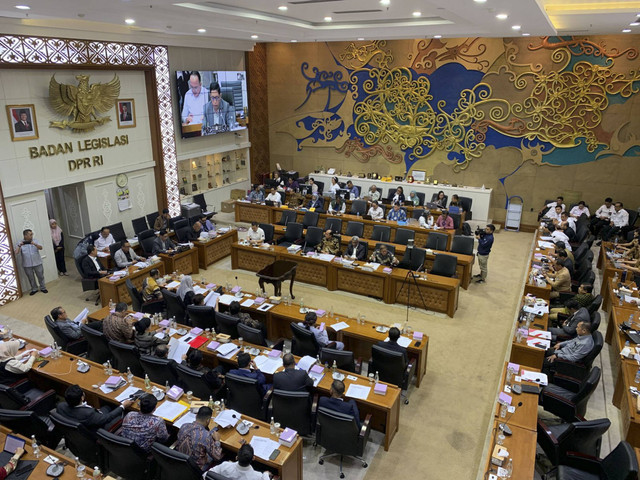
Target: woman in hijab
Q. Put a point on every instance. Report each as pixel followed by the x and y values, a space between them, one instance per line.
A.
pixel 146 341
pixel 414 199
pixel 58 246
pixel 12 368
pixel 185 290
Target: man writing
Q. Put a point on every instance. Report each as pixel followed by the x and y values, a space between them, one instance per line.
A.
pixel 559 278
pixel 485 242
pixel 355 250
pixel 241 469
pixel 126 256
pixel 162 243
pixel 104 240
pixel 255 235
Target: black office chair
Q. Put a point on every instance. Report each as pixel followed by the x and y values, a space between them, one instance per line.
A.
pixel 151 218
pixel 339 434
pixel 160 370
pixel 88 284
pixel 335 224
pixel 303 342
pixel 580 252
pixel 392 368
pixel 268 230
pixel 288 216
pixel 588 278
pixel 312 239
pixel 437 241
pixel 620 464
pixel 78 438
pixel 146 239
pixel 444 265
pixel 391 248
pixel 417 213
pixel 182 229
pixel 173 464
pixel 344 359
pixel 28 423
pixel 117 232
pixel 194 381
pixel 245 396
pixel 227 324
pixel 294 410
pixel 466 203
pixel 173 222
pixel 462 245
pixel 125 355
pixel 215 476
pixel 403 235
pixel 310 219
pixel 202 316
pixel 421 197
pixel 595 321
pixel 568 398
pixel 139 305
pixel 122 456
pixel 354 228
pixel 595 304
pixel 582 437
pixel 22 395
pixel 292 235
pixel 579 370
pixel 113 248
pixel 413 259
pixel 381 233
pixel 175 307
pixel 358 207
pixel 251 335
pixel 75 347
pixel 97 347
pixel 139 225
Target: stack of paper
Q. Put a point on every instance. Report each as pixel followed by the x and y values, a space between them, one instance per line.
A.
pixel 211 299
pixel 177 349
pixel 141 265
pixel 263 447
pixel 173 284
pixel 171 410
pixel 358 391
pixel 402 341
pixel 268 364
pixel 198 289
pixel 339 326
pixel 305 363
pixel 226 299
pixel 227 418
pixel 535 377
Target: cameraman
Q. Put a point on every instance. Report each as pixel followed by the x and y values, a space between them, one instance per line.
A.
pixel 485 242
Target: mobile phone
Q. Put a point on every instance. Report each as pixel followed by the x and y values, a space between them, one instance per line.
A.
pixel 418 343
pixel 43 363
pixel 274 454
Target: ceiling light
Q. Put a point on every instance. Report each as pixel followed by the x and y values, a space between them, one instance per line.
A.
pixel 254 36
pixel 416 14
pixel 437 36
pixel 526 34
pixel 327 19
pixel 283 8
pixel 385 3
pixel 480 1
pixel 626 30
pixel 202 30
pixel 23 7
pixel 360 39
pixel 294 41
pixel 502 16
pixel 129 21
pixel 516 27
pixel 634 24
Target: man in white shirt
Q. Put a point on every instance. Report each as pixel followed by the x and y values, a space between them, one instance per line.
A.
pixel 242 469
pixel 376 211
pixel 565 218
pixel 104 240
pixel 579 210
pixel 194 100
pixel 559 236
pixel 274 197
pixel 374 194
pixel 255 235
pixel 551 207
pixel 619 219
pixel 554 214
pixel 314 186
pixel 602 216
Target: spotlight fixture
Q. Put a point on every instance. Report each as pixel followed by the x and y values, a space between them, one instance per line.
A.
pixel 129 21
pixel 202 30
pixel 385 3
pixel 23 7
pixel 283 8
pixel 626 30
pixel 417 14
pixel 516 27
pixel 502 16
pixel 254 36
pixel 327 19
pixel 437 36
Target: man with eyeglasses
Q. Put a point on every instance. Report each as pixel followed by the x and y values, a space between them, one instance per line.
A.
pixel 194 100
pixel 219 116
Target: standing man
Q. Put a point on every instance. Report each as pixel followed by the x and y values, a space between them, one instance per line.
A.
pixel 485 242
pixel 29 250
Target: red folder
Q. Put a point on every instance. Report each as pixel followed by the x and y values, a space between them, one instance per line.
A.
pixel 198 342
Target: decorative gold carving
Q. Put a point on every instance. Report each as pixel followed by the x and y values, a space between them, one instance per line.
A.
pixel 82 102
pixel 356 149
pixel 356 56
pixel 428 58
pixel 585 47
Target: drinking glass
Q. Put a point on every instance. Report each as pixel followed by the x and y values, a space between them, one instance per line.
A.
pixel 189 396
pixel 240 341
pixel 371 375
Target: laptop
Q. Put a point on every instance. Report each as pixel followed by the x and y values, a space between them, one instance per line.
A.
pixel 433 206
pixel 269 203
pixel 634 337
pixel 367 217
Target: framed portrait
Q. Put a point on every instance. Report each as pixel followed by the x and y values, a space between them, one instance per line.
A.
pixel 126 112
pixel 22 122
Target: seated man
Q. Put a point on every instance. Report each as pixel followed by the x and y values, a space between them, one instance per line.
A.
pixel 104 240
pixel 320 333
pixel 572 350
pixel 557 234
pixel 256 195
pixel 150 287
pixel 68 327
pixel 118 325
pixel 290 379
pixel 274 197
pixel 316 202
pixel 392 344
pixel 194 232
pixel 445 221
pixel 384 257
pixel 355 250
pixel 373 195
pixel 337 403
pixel 551 212
pixel 241 469
pixel 90 264
pixel 247 368
pixel 245 318
pixel 375 211
pixel 619 219
pixel 352 190
pixel 553 216
pixel 195 440
pixel 566 218
pixel 559 279
pixel 144 427
pixel 329 244
pixel 162 220
pixel 579 210
pixel 584 297
pixel 564 259
pixel 207 225
pixel 602 216
pixel 75 408
pixel 255 235
pixel 396 214
pixel 577 314
pixel 292 185
pixel 314 185
pixel 126 256
pixel 631 250
pixel 162 243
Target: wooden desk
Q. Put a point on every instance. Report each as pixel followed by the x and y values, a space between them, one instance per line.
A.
pixel 612 298
pixel 310 269
pixel 626 402
pixel 184 262
pixel 215 249
pixel 253 259
pixel 522 450
pixel 609 270
pixel 117 290
pixel 525 355
pixel 439 293
pixel 356 280
pixel 526 415
pixel 253 212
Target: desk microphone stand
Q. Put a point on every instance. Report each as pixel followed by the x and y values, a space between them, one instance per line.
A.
pixel 407 283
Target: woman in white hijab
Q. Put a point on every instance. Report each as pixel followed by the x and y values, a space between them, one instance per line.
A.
pixel 185 290
pixel 12 368
pixel 58 246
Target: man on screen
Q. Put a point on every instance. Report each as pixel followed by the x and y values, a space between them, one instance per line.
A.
pixel 218 114
pixel 194 100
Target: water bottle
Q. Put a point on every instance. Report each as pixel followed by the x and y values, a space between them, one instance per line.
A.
pixel 97 475
pixel 166 387
pixel 331 312
pixel 334 368
pixel 79 469
pixel 273 426
pixel 211 402
pixel 376 379
pixel 113 305
pixel 109 368
pixel 35 447
pixel 301 303
pixel 129 376
pixel 509 468
pixel 147 382
pixel 637 379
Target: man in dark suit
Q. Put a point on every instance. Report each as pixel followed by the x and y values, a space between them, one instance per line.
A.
pixel 290 379
pixel 90 264
pixel 162 243
pixel 392 344
pixel 247 368
pixel 355 250
pixel 23 125
pixel 336 402
pixel 577 314
pixel 75 408
pixel 125 116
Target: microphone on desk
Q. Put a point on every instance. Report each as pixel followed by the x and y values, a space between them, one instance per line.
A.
pixel 504 426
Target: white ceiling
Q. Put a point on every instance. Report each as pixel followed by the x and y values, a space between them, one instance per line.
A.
pixel 238 20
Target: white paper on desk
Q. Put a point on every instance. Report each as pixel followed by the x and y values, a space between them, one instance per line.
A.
pixel 247 303
pixel 198 289
pixel 546 334
pixel 535 377
pixel 358 391
pixel 546 238
pixel 339 326
pixel 225 348
pixel 316 377
pixel 50 459
pixel 538 310
pixel 173 284
pixel 263 447
pixel 184 419
pixel 226 299
pixel 305 363
pixel 539 343
pixel 211 299
pixel 141 264
pixel 170 410
pixel 103 254
pixel 327 257
pixel 402 341
pixel 268 364
pixel 231 354
pixel 81 315
pixel 546 244
pixel 371 265
pixel 177 349
pixel 227 418
pixel 159 335
pixel 127 393
pixel 627 298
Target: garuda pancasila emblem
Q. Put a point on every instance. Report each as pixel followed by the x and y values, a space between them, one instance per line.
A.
pixel 83 102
